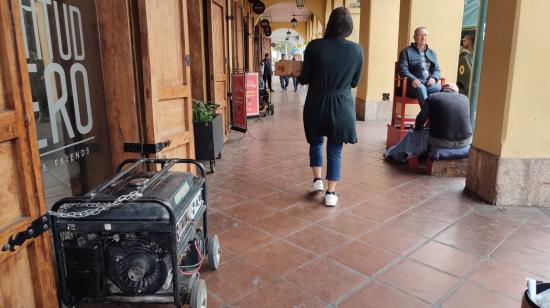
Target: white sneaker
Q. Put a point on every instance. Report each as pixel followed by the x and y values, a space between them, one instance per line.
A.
pixel 318 185
pixel 331 200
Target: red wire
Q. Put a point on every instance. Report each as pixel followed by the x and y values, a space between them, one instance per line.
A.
pixel 199 266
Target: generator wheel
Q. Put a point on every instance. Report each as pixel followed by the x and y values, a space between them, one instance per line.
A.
pixel 214 252
pixel 199 294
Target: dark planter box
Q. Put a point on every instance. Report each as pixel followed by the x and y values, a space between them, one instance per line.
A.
pixel 208 138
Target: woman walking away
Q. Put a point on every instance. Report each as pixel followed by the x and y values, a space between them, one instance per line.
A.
pixel 332 66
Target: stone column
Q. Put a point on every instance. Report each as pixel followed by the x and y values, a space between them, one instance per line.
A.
pixel 510 158
pixel 378 34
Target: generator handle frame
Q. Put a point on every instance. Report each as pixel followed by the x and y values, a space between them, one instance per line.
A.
pixel 162 162
pixel 166 164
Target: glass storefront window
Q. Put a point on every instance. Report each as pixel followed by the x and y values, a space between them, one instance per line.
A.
pixel 64 62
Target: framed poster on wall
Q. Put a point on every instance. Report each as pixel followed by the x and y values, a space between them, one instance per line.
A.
pixel 252 95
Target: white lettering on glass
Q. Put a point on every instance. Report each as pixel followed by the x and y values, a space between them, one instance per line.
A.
pixel 70 48
pixel 24 10
pixel 47 26
pixel 72 11
pixel 77 67
pixel 64 55
pixel 56 105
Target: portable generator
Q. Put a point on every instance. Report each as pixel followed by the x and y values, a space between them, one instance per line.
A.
pixel 136 238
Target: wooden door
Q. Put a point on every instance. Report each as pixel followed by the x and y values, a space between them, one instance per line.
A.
pixel 250 42
pixel 166 76
pixel 27 278
pixel 217 58
pixel 238 37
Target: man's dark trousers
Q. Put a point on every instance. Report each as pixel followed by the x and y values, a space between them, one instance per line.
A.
pixel 267 81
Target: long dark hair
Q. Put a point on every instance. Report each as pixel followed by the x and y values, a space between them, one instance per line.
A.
pixel 340 24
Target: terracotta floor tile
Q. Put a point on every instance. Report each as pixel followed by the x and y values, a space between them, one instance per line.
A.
pixel 471 295
pixel 279 181
pixel 377 295
pixel 392 239
pixel 219 222
pixel 388 182
pixel 446 258
pixel 375 211
pixel 396 199
pixel 349 224
pixel 270 165
pixel 249 211
pixel 224 200
pixel 213 301
pixel 280 200
pixel 236 279
pixel 280 294
pixel 524 258
pixel 347 200
pixel 243 239
pixel 419 280
pixel 362 257
pixel 443 210
pixel 362 191
pixel 311 211
pixel 503 279
pixel 302 174
pixel 254 191
pixel 532 236
pixel 465 238
pixel 279 257
pixel 318 239
pixel 490 225
pixel 280 224
pixel 325 279
pixel 418 224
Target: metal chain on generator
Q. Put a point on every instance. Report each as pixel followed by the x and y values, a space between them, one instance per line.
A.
pixel 42 223
pixel 95 208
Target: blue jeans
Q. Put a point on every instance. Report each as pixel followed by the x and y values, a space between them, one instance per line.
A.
pixel 284 82
pixel 295 82
pixel 422 92
pixel 334 157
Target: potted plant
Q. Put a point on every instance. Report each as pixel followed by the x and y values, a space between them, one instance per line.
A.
pixel 208 132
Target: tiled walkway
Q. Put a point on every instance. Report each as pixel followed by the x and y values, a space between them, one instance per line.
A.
pixel 397 239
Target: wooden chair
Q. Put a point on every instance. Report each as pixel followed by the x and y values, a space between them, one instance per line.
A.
pixel 401 120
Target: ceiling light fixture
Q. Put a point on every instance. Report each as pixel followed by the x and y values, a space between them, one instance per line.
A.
pixel 300 3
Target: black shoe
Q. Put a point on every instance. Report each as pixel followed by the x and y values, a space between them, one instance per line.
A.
pixel 271 90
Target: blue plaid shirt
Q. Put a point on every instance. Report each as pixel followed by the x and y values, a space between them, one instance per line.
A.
pixel 412 64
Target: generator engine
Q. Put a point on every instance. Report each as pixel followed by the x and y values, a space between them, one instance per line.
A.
pixel 146 249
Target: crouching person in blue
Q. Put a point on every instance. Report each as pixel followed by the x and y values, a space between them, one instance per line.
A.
pixel 442 128
pixel 419 64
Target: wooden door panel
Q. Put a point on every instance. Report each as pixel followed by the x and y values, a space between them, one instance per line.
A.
pixel 27 278
pixel 216 13
pixel 166 79
pixel 13 284
pixel 10 200
pixel 238 37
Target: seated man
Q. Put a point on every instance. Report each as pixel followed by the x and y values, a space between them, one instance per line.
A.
pixel 419 64
pixel 449 134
